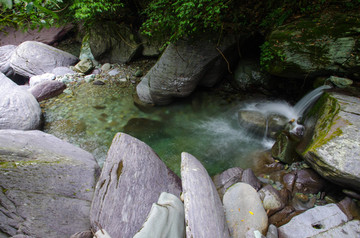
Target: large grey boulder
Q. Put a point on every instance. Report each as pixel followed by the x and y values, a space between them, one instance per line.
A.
pixel 244 210
pixel 110 43
pixel 204 213
pixel 46 185
pixel 132 179
pixel 180 69
pixel 34 58
pixel 18 108
pixel 5 54
pixel 331 143
pixel 313 222
pixel 303 49
pixel 166 219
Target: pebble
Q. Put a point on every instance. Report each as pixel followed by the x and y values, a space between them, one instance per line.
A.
pixel 98 82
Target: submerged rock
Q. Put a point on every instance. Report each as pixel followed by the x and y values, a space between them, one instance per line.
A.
pixel 132 179
pixel 34 58
pixel 204 214
pixel 18 108
pixel 331 144
pixel 46 185
pixel 244 210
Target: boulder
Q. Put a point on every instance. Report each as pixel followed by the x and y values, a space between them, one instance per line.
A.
pixel 61 71
pixel 151 46
pixel 180 69
pixel 249 177
pixel 313 222
pixel 244 210
pixel 46 185
pixel 227 178
pixel 46 35
pixel 330 144
pixel 34 58
pixel 248 75
pixel 308 182
pixel 47 89
pixel 166 219
pixel 84 66
pixel 18 108
pixel 204 213
pixel 111 43
pixel 303 49
pixel 34 80
pixel 132 179
pixel 5 55
pixel 271 199
pixel 348 230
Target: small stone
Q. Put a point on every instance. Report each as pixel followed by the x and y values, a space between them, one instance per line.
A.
pixel 89 78
pixel 106 67
pixel 123 80
pixel 138 73
pixel 98 82
pixel 272 232
pixel 67 91
pixel 84 66
pixel 114 72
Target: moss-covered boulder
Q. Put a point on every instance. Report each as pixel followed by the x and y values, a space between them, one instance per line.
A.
pixel 331 143
pixel 308 47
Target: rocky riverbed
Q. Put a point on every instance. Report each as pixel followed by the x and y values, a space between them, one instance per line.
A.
pixel 50 187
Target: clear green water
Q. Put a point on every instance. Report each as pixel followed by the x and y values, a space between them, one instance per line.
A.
pixel 204 125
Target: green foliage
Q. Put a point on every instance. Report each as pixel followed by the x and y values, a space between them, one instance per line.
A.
pixel 183 18
pixel 90 11
pixel 269 54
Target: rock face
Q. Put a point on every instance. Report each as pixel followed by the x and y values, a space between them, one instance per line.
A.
pixel 46 185
pixel 166 219
pixel 111 43
pixel 202 204
pixel 5 55
pixel 313 222
pixel 179 70
pixel 18 108
pixel 34 58
pixel 331 144
pixel 132 179
pixel 304 49
pixel 244 210
pixel 348 230
pixel 249 76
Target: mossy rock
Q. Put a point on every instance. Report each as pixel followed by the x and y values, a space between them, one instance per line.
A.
pixel 316 46
pixel 331 142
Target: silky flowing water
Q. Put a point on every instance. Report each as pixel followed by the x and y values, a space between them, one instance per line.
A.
pixel 204 125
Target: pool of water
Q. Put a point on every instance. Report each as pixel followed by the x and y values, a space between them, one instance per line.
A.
pixel 205 125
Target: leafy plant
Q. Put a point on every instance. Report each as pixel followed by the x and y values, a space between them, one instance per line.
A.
pixel 269 54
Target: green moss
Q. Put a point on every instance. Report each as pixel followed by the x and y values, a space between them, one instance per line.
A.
pixel 15 164
pixel 328 123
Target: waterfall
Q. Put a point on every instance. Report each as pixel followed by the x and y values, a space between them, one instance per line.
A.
pixel 301 106
pixel 268 117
